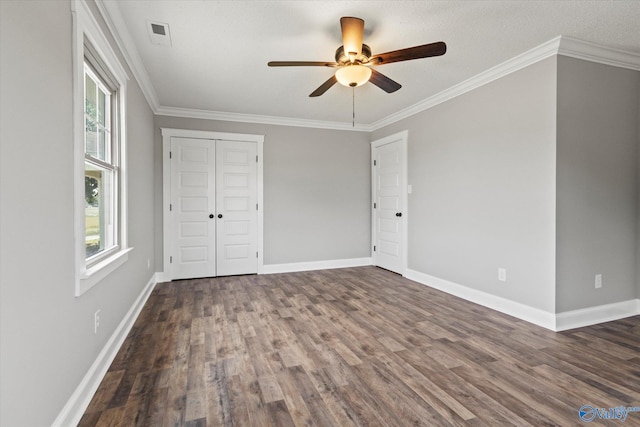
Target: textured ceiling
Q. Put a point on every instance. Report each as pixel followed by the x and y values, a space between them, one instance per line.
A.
pixel 220 49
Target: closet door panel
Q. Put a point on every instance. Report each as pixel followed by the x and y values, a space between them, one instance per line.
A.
pixel 236 202
pixel 192 204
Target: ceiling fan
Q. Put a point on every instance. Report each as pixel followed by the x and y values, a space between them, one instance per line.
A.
pixel 354 60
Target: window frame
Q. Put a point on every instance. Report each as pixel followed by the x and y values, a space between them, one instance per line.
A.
pixel 110 162
pixel 89 41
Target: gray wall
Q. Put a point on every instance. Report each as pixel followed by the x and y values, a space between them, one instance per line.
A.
pixel 482 167
pixel 316 190
pixel 47 342
pixel 597 183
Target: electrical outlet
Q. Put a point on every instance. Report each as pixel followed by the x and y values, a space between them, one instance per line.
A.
pixel 502 274
pixel 598 281
pixel 96 321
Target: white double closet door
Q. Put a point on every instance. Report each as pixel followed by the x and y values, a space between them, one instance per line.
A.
pixel 214 211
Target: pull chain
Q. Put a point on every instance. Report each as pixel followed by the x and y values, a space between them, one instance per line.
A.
pixel 353 104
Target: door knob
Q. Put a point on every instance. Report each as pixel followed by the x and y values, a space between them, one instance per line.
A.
pixel 219 215
pixel 399 214
pixel 210 215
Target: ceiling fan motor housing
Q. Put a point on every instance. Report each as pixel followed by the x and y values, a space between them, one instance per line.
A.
pixel 344 59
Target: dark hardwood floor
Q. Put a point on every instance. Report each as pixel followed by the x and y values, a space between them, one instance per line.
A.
pixel 356 346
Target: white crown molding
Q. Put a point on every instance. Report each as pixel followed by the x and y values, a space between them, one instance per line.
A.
pixel 113 18
pixel 512 65
pixel 254 118
pixel 561 45
pixel 593 52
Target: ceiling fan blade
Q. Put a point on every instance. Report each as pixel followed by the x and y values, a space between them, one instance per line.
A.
pixel 301 64
pixel 415 52
pixel 352 35
pixel 384 82
pixel 324 87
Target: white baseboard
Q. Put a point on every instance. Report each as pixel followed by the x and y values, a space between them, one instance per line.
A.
pixel 599 314
pixel 315 265
pixel 297 266
pixel 81 397
pixel 555 322
pixel 503 305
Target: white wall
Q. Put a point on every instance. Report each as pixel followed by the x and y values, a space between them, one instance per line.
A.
pixel 597 183
pixel 47 342
pixel 317 194
pixel 482 168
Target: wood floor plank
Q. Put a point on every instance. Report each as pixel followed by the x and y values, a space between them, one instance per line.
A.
pixel 501 401
pixel 447 406
pixel 111 417
pixel 296 405
pixel 354 347
pixel 318 410
pixel 341 411
pixel 157 408
pixel 107 390
pixel 279 413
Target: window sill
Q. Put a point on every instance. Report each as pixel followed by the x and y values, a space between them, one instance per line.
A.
pixel 92 276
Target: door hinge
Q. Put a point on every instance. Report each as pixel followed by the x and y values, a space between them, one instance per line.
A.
pixel 170 207
pixel 256 206
pixel 256 254
pixel 170 260
pixel 170 155
pixel 374 249
pixel 374 163
pixel 374 206
pixel 256 159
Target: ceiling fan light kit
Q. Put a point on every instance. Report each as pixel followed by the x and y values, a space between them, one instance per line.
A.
pixel 353 75
pixel 354 60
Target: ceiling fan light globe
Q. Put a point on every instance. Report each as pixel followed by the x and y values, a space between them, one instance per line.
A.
pixel 353 75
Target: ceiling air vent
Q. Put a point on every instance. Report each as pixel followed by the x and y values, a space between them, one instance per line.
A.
pixel 158 29
pixel 159 33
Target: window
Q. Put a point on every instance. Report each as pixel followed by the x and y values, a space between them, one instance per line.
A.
pixel 100 167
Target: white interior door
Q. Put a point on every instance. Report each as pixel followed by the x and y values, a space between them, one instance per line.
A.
pixel 237 207
pixel 192 207
pixel 389 204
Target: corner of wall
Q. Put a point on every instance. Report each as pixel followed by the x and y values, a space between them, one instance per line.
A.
pixel 597 184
